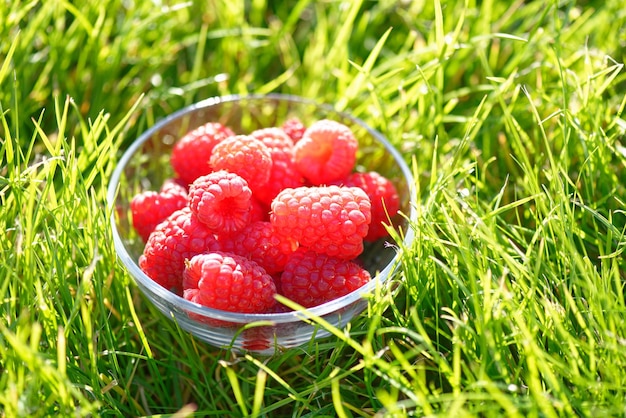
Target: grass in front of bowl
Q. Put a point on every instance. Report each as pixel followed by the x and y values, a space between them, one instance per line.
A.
pixel 509 302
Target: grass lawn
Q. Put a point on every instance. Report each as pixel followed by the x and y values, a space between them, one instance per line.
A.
pixel 511 299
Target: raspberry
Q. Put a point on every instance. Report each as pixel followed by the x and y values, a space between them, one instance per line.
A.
pixel 383 196
pixel 245 156
pixel 282 175
pixel 179 237
pixel 278 307
pixel 190 155
pixel 311 279
pixel 221 200
pixel 228 282
pixel 257 338
pixel 328 219
pixel 294 128
pixel 259 211
pixel 275 139
pixel 150 208
pixel 259 242
pixel 175 185
pixel 326 152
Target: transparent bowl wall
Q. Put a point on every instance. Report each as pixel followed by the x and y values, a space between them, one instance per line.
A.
pixel 145 165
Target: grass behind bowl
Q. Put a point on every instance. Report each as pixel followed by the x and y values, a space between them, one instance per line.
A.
pixel 509 302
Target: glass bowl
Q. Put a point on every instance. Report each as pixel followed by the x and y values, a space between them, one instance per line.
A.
pixel 145 165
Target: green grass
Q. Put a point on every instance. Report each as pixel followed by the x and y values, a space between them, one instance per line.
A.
pixel 511 298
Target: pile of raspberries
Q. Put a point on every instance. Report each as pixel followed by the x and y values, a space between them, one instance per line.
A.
pixel 278 210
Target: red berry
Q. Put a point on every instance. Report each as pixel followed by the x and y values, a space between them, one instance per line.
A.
pixel 259 211
pixel 259 242
pixel 326 152
pixel 179 237
pixel 311 279
pixel 283 175
pixel 275 139
pixel 221 200
pixel 190 155
pixel 228 282
pixel 328 219
pixel 283 172
pixel 257 338
pixel 279 307
pixel 244 155
pixel 294 128
pixel 174 185
pixel 150 208
pixel 383 196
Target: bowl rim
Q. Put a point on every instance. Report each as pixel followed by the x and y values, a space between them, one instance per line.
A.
pixel 179 302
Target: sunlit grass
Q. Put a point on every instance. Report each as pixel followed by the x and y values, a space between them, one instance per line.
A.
pixel 510 301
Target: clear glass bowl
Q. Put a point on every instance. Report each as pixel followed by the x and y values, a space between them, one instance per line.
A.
pixel 145 165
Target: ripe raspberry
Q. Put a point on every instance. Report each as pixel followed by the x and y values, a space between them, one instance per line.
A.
pixel 257 338
pixel 294 128
pixel 179 237
pixel 328 219
pixel 228 282
pixel 383 196
pixel 221 200
pixel 259 211
pixel 259 242
pixel 175 185
pixel 245 156
pixel 283 173
pixel 150 208
pixel 190 155
pixel 278 307
pixel 326 152
pixel 311 279
pixel 275 139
